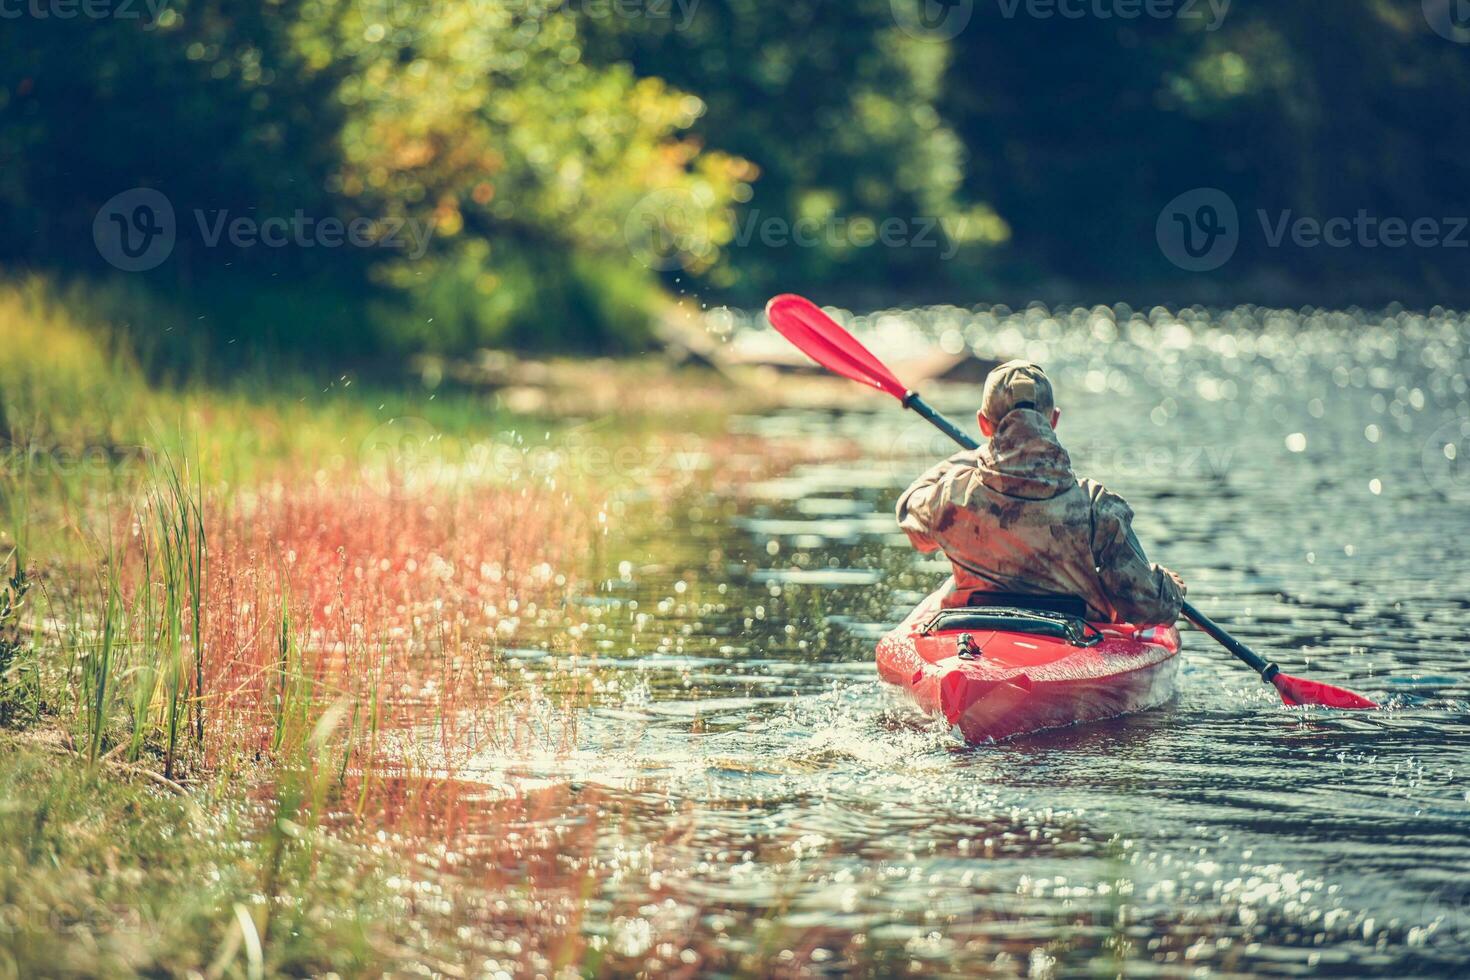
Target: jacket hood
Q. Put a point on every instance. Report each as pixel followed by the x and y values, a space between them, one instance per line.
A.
pixel 1024 459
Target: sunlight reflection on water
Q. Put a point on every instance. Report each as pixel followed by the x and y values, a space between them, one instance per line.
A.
pixel 798 814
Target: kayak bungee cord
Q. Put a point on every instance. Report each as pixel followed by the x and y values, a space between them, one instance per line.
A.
pixel 822 339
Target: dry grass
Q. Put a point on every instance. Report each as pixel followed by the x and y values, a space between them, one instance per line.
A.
pixel 396 608
pixel 283 609
pixel 261 609
pixel 340 653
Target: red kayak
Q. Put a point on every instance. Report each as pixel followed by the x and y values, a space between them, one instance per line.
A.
pixel 996 671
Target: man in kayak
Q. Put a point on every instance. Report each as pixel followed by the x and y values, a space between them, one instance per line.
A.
pixel 1012 517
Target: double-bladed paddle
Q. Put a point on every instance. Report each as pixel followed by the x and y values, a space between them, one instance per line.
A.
pixel 803 323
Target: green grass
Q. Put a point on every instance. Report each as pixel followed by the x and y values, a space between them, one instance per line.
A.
pixel 126 845
pixel 167 807
pixel 87 409
pixel 79 391
pixel 103 874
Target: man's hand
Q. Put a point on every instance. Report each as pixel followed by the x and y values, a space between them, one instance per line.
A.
pixel 1183 589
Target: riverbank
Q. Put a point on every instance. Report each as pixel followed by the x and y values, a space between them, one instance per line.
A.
pixel 252 632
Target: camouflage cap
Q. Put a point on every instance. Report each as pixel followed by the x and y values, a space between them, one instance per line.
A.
pixel 1013 385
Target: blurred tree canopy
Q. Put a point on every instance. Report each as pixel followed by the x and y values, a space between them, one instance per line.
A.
pixel 1080 131
pixel 506 162
pixel 837 106
pixel 554 164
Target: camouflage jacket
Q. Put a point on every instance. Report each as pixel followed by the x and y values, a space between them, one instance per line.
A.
pixel 1012 517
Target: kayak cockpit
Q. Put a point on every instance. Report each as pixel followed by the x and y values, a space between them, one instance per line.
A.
pixel 1072 629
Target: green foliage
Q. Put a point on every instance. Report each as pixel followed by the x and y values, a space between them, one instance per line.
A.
pixel 531 298
pixel 62 384
pixel 1079 131
pixel 78 405
pixel 836 106
pixel 1051 142
pixel 520 145
pixel 175 545
pixel 477 137
pixel 107 877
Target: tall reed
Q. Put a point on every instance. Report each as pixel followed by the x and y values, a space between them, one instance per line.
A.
pixel 177 509
pixel 14 494
pixel 99 668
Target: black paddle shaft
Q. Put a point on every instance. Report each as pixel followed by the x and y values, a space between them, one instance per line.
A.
pixel 913 402
pixel 1265 668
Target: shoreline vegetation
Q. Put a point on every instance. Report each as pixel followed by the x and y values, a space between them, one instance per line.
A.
pixel 338 181
pixel 249 635
pixel 255 627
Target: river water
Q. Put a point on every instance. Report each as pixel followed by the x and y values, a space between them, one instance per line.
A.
pixel 763 806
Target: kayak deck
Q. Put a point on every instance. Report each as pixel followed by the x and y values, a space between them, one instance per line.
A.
pixel 991 682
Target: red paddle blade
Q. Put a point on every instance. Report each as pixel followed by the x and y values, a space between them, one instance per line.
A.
pixel 818 336
pixel 1297 691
